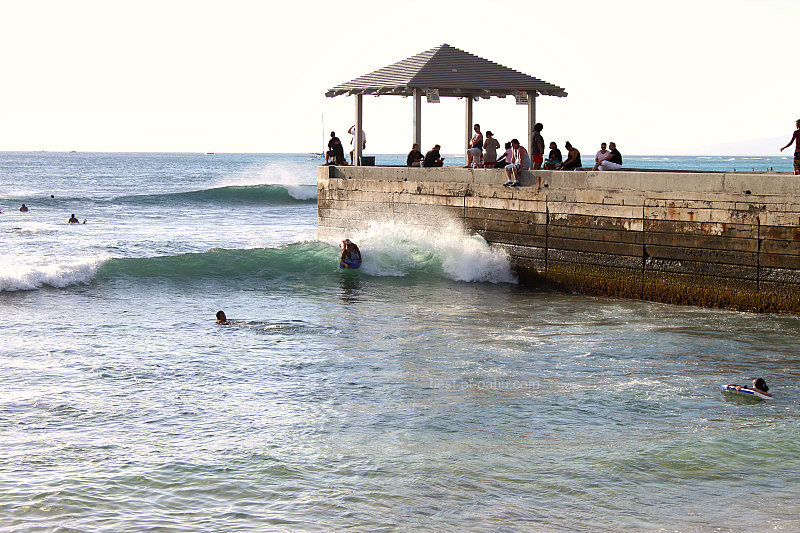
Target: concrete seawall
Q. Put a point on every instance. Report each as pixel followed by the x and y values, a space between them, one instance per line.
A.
pixel 711 239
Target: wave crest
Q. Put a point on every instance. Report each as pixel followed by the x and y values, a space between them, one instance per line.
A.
pixel 238 194
pixel 389 250
pixel 397 249
pixel 21 277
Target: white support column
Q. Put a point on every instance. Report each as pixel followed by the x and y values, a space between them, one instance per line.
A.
pixel 531 118
pixel 468 123
pixel 417 117
pixel 357 140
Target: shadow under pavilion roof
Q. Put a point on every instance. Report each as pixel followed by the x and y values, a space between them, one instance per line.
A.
pixel 452 71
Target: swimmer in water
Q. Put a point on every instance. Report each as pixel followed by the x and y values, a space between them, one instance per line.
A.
pixel 23 208
pixel 222 319
pixel 759 386
pixel 72 219
pixel 351 255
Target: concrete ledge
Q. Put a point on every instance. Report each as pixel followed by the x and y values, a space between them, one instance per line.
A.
pixel 716 239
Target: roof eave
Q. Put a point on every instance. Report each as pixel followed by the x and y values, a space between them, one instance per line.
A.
pixel 448 92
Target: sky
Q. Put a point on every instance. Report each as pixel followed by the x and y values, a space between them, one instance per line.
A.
pixel 679 77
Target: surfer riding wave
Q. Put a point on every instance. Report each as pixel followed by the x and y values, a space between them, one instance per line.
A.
pixel 351 255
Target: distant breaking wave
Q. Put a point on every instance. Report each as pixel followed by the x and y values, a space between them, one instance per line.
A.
pixel 389 250
pixel 234 194
pixel 263 194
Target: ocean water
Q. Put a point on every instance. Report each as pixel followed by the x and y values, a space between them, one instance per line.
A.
pixel 426 391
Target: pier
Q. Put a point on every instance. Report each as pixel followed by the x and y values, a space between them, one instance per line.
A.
pixel 709 239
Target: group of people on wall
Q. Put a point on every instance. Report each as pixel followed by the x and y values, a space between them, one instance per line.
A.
pixel 482 152
pixel 335 153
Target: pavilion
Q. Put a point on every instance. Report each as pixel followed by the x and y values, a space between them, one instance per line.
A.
pixel 445 71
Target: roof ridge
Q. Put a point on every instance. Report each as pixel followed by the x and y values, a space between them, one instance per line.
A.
pixel 452 70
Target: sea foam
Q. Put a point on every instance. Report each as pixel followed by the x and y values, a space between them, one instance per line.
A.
pixel 396 249
pixel 26 277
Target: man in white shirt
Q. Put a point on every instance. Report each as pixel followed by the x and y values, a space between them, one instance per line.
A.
pixel 352 131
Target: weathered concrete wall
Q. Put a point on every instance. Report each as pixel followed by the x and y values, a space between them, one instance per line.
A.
pixel 711 239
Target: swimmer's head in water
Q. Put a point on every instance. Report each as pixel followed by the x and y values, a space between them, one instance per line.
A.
pixel 760 384
pixel 221 317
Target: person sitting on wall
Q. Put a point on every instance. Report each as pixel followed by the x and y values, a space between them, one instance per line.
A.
pixel 601 154
pixel 415 157
pixel 506 158
pixel 573 160
pixel 335 153
pixel 521 161
pixel 433 158
pixel 490 146
pixel 475 149
pixel 554 157
pixel 611 161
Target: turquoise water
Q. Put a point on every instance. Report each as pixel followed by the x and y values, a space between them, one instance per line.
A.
pixel 426 391
pixel 781 163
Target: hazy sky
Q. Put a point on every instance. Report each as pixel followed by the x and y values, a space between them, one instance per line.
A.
pixel 674 77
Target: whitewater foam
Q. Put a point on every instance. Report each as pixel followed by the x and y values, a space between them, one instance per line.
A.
pixel 395 249
pixel 26 277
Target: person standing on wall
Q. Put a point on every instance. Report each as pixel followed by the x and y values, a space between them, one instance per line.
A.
pixel 796 141
pixel 537 148
pixel 352 131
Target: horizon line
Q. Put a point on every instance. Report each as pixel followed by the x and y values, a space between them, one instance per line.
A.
pixel 196 152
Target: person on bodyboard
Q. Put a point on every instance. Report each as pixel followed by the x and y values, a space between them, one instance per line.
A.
pixel 351 255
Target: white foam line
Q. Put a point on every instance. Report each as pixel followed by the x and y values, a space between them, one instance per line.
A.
pixel 22 277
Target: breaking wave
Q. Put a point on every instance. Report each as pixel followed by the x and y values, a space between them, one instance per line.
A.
pixel 388 250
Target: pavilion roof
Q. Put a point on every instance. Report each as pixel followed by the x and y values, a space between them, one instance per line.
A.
pixel 452 71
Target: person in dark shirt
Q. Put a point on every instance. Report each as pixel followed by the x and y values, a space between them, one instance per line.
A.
pixel 433 158
pixel 414 156
pixel 537 148
pixel 554 158
pixel 573 158
pixel 335 153
pixel 611 161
